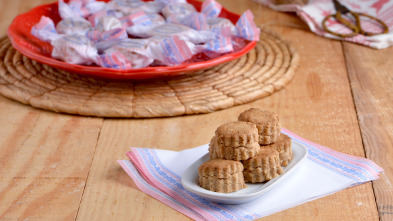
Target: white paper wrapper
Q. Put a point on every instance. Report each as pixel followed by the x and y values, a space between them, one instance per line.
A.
pixel 74 49
pixel 70 26
pixel 135 50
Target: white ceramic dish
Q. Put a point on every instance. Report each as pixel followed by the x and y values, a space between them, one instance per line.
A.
pixel 189 180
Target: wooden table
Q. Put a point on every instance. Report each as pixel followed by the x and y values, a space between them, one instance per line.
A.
pixel 63 167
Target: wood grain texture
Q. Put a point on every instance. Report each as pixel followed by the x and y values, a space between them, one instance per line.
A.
pixel 46 158
pixel 44 162
pixel 110 193
pixel 317 104
pixel 39 179
pixel 370 72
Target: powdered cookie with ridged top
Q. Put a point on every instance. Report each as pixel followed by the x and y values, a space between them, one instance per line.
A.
pixel 223 176
pixel 263 167
pixel 284 148
pixel 237 141
pixel 268 124
pixel 213 148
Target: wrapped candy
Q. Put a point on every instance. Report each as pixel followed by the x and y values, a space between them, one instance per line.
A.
pixel 156 18
pixel 66 11
pixel 142 29
pixel 177 9
pixel 129 6
pixel 73 26
pixel 153 7
pixel 114 59
pixel 125 6
pixel 85 8
pixel 79 8
pixel 218 45
pixel 94 18
pixel 246 27
pixel 173 50
pixel 136 18
pixel 94 32
pixel 77 49
pixel 74 49
pixel 94 6
pixel 166 2
pixel 219 22
pixel 183 32
pixel 94 36
pixel 198 21
pixel 222 32
pixel 135 50
pixel 211 8
pixel 194 20
pixel 110 38
pixel 108 31
pixel 45 30
pixel 106 23
pixel 170 50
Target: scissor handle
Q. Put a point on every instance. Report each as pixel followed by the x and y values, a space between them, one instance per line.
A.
pixel 363 32
pixel 348 24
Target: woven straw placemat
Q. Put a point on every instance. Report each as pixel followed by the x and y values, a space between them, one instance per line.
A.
pixel 264 70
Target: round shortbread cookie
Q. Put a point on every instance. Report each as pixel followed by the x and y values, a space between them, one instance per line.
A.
pixel 268 124
pixel 224 176
pixel 263 167
pixel 213 148
pixel 284 148
pixel 237 140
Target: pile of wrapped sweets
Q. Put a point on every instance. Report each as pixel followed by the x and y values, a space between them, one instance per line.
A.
pixel 130 34
pixel 252 149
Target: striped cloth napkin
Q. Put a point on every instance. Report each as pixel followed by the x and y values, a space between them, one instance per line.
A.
pixel 315 11
pixel 325 171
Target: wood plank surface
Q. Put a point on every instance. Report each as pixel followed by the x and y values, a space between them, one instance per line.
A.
pixel 63 167
pixel 44 157
pixel 370 72
pixel 317 105
pixel 44 161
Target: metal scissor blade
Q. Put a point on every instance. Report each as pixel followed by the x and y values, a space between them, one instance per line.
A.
pixel 340 8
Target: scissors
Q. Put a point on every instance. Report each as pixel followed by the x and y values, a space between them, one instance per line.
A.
pixel 356 28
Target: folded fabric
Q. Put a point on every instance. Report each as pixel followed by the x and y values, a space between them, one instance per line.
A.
pixel 315 11
pixel 325 171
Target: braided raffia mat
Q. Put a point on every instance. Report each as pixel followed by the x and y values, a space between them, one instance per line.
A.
pixel 264 70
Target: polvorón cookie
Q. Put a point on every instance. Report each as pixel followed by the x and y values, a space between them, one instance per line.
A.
pixel 237 141
pixel 263 167
pixel 268 124
pixel 284 148
pixel 224 176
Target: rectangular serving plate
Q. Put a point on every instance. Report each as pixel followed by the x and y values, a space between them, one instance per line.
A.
pixel 190 176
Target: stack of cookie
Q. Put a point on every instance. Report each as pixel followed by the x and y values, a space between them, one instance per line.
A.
pixel 251 149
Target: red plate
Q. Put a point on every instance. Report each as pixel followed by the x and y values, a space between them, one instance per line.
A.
pixel 23 41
